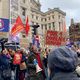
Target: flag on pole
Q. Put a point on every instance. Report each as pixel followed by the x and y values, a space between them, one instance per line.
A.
pixel 27 27
pixel 18 27
pixel 15 38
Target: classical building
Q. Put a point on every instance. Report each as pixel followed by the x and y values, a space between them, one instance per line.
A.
pixel 74 31
pixel 4 13
pixel 4 8
pixel 53 19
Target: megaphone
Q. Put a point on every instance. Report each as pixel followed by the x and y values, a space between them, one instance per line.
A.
pixel 38 69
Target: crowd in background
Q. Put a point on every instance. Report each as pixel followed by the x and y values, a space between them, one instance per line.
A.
pixel 37 64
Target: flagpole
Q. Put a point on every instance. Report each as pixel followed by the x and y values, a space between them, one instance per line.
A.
pixel 15 46
pixel 9 34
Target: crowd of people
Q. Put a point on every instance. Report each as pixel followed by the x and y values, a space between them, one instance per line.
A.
pixel 38 64
pixel 22 64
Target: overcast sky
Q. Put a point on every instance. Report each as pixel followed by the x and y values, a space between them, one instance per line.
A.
pixel 71 7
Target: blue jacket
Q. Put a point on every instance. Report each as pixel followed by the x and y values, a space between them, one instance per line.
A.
pixel 65 76
pixel 4 62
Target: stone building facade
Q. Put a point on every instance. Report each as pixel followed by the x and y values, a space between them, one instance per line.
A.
pixel 4 13
pixel 74 31
pixel 53 19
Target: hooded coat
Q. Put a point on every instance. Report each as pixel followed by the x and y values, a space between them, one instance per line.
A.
pixel 62 63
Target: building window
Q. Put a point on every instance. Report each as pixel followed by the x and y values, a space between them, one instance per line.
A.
pixel 32 16
pixel 23 11
pixel 59 26
pixel 59 16
pixel 53 16
pixel 45 19
pixel 45 26
pixel 23 1
pixel 37 17
pixel 49 25
pixel 42 26
pixel 48 18
pixel 41 19
pixel 36 23
pixel 53 24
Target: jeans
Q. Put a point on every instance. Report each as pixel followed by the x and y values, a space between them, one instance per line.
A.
pixel 46 72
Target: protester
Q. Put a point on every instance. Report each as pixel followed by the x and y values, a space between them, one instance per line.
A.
pixel 78 51
pixel 35 67
pixel 74 47
pixel 23 65
pixel 62 63
pixel 40 63
pixel 30 65
pixel 12 52
pixel 5 68
pixel 45 58
pixel 16 61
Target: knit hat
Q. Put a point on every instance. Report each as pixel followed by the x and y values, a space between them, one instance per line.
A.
pixel 63 58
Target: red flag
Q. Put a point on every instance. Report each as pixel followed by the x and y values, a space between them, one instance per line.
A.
pixel 27 28
pixel 18 27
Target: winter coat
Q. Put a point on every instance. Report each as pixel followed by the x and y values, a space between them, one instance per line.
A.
pixel 4 62
pixel 65 76
pixel 32 67
pixel 62 63
pixel 4 65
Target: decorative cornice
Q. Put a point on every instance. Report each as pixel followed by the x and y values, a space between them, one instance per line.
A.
pixel 37 11
pixel 48 12
pixel 36 2
pixel 55 9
